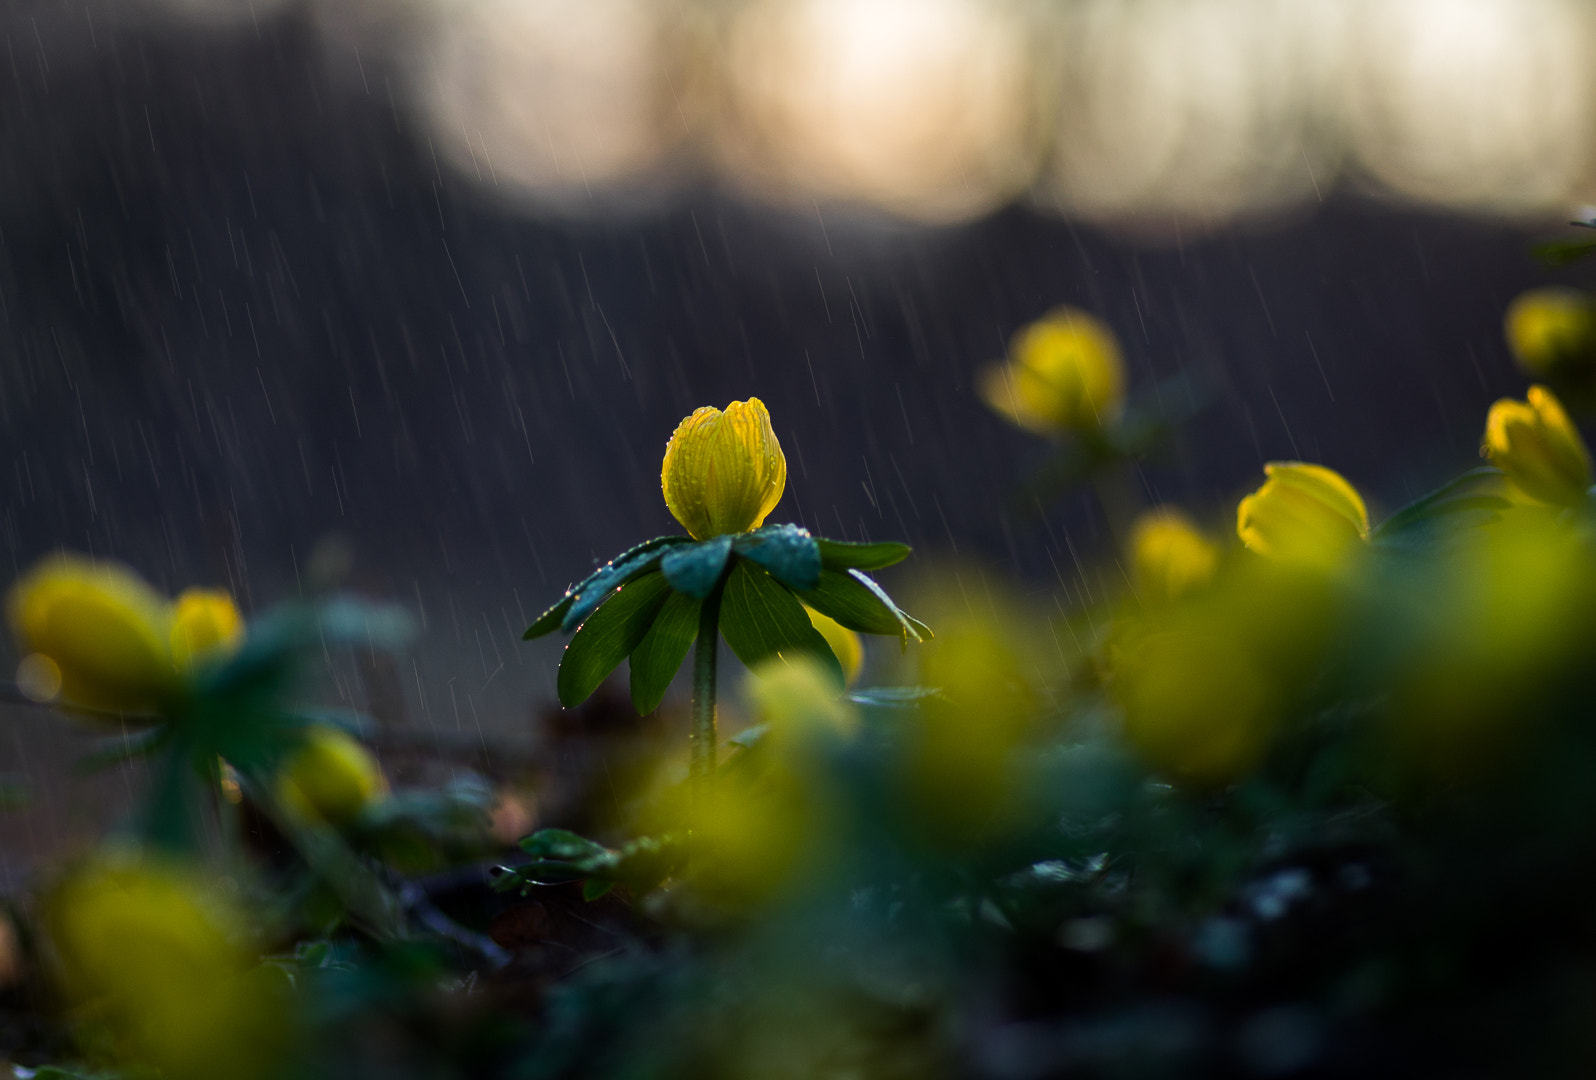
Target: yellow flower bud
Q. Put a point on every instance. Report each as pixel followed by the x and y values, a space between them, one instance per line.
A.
pixel 331 777
pixel 724 471
pixel 845 644
pixel 204 622
pixel 97 634
pixel 1538 447
pixel 1549 328
pixel 1170 555
pixel 1064 374
pixel 157 961
pixel 1302 514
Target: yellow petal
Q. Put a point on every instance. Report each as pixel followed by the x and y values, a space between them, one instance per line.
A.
pixel 204 622
pixel 724 472
pixel 1302 513
pixel 1536 444
pixel 107 632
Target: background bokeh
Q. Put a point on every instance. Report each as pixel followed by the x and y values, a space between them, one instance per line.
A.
pixel 438 277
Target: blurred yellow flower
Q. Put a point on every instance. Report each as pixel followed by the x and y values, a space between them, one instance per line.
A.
pixel 958 772
pixel 157 963
pixel 1170 556
pixel 797 698
pixel 1303 514
pixel 331 777
pixel 204 622
pixel 1064 374
pixel 96 632
pixel 1550 328
pixel 845 644
pixel 724 471
pixel 1197 703
pixel 1538 447
pixel 1506 611
pixel 98 637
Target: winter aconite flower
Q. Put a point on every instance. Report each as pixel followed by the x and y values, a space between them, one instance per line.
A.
pixel 1551 329
pixel 156 961
pixel 1170 555
pixel 1537 446
pixel 1064 375
pixel 331 777
pixel 98 637
pixel 1302 514
pixel 724 471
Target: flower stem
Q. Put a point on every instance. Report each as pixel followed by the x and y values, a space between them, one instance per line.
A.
pixel 701 765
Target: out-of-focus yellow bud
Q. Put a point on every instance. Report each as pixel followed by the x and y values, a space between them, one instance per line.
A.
pixel 1197 703
pixel 1064 374
pixel 1506 612
pixel 106 632
pixel 1204 680
pixel 205 622
pixel 1302 514
pixel 1549 329
pixel 332 776
pixel 845 644
pixel 724 471
pixel 1170 556
pixel 158 965
pixel 798 699
pixel 959 775
pixel 1538 447
pixel 753 841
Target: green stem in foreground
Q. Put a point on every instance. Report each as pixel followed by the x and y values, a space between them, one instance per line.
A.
pixel 701 764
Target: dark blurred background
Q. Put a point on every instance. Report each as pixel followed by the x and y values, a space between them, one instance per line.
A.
pixel 439 280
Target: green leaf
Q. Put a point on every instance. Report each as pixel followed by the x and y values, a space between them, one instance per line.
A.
pixel 696 568
pixel 788 551
pixel 912 627
pixel 627 566
pixel 594 889
pixel 662 650
pixel 350 620
pixel 635 557
pixel 857 602
pixel 760 618
pixel 561 844
pixel 893 697
pixel 748 738
pixel 846 554
pixel 1478 491
pixel 609 637
pixel 850 603
pixel 550 620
